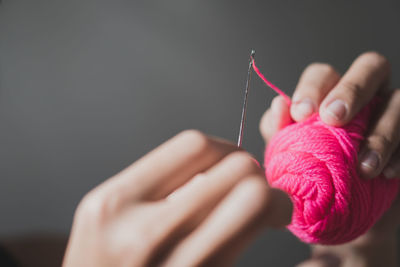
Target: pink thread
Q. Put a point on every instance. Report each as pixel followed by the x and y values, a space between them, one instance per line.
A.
pixel 275 88
pixel 316 165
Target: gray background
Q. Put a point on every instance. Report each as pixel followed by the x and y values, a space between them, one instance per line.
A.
pixel 87 87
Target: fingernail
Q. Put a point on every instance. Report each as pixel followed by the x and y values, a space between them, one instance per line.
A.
pixel 303 109
pixel 389 172
pixel 369 162
pixel 337 109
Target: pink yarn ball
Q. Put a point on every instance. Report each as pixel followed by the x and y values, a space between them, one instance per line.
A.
pixel 316 165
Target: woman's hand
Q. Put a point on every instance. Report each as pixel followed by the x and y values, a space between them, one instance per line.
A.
pixel 337 99
pixel 194 200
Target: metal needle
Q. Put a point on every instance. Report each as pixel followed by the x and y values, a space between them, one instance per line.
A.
pixel 246 93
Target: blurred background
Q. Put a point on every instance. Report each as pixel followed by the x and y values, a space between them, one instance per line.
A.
pixel 87 87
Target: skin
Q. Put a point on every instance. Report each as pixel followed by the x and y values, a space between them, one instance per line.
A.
pixel 369 75
pixel 198 201
pixel 193 201
pixel 320 85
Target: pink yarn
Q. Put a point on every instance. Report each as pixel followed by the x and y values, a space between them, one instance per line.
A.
pixel 316 165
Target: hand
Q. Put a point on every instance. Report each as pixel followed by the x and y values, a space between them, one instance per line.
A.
pixel 192 201
pixel 319 86
pixel 339 99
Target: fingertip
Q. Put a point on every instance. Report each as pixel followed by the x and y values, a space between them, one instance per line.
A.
pixel 334 112
pixel 264 126
pixel 369 164
pixel 279 105
pixel 281 112
pixel 302 109
pixel 275 118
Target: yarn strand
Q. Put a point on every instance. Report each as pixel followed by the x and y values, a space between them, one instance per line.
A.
pixel 269 84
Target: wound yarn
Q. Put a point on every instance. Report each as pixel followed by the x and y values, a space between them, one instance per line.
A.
pixel 316 165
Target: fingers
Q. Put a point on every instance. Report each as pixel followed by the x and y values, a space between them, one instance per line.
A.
pixel 275 118
pixel 232 220
pixel 169 166
pixel 204 191
pixel 192 202
pixel 181 212
pixel 314 84
pixel 383 141
pixel 368 73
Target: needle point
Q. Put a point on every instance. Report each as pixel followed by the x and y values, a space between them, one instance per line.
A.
pixel 253 53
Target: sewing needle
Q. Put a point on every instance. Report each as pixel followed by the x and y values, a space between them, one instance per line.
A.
pixel 246 93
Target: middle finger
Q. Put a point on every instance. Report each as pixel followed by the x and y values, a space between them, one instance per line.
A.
pixel 366 75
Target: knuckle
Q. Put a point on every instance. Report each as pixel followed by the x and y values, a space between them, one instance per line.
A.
pixel 137 233
pixel 244 162
pixel 196 140
pixel 352 89
pixel 375 59
pixel 143 239
pixel 136 249
pixel 96 207
pixel 321 67
pixel 380 143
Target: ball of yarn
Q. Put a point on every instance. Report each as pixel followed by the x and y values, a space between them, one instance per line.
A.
pixel 316 165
